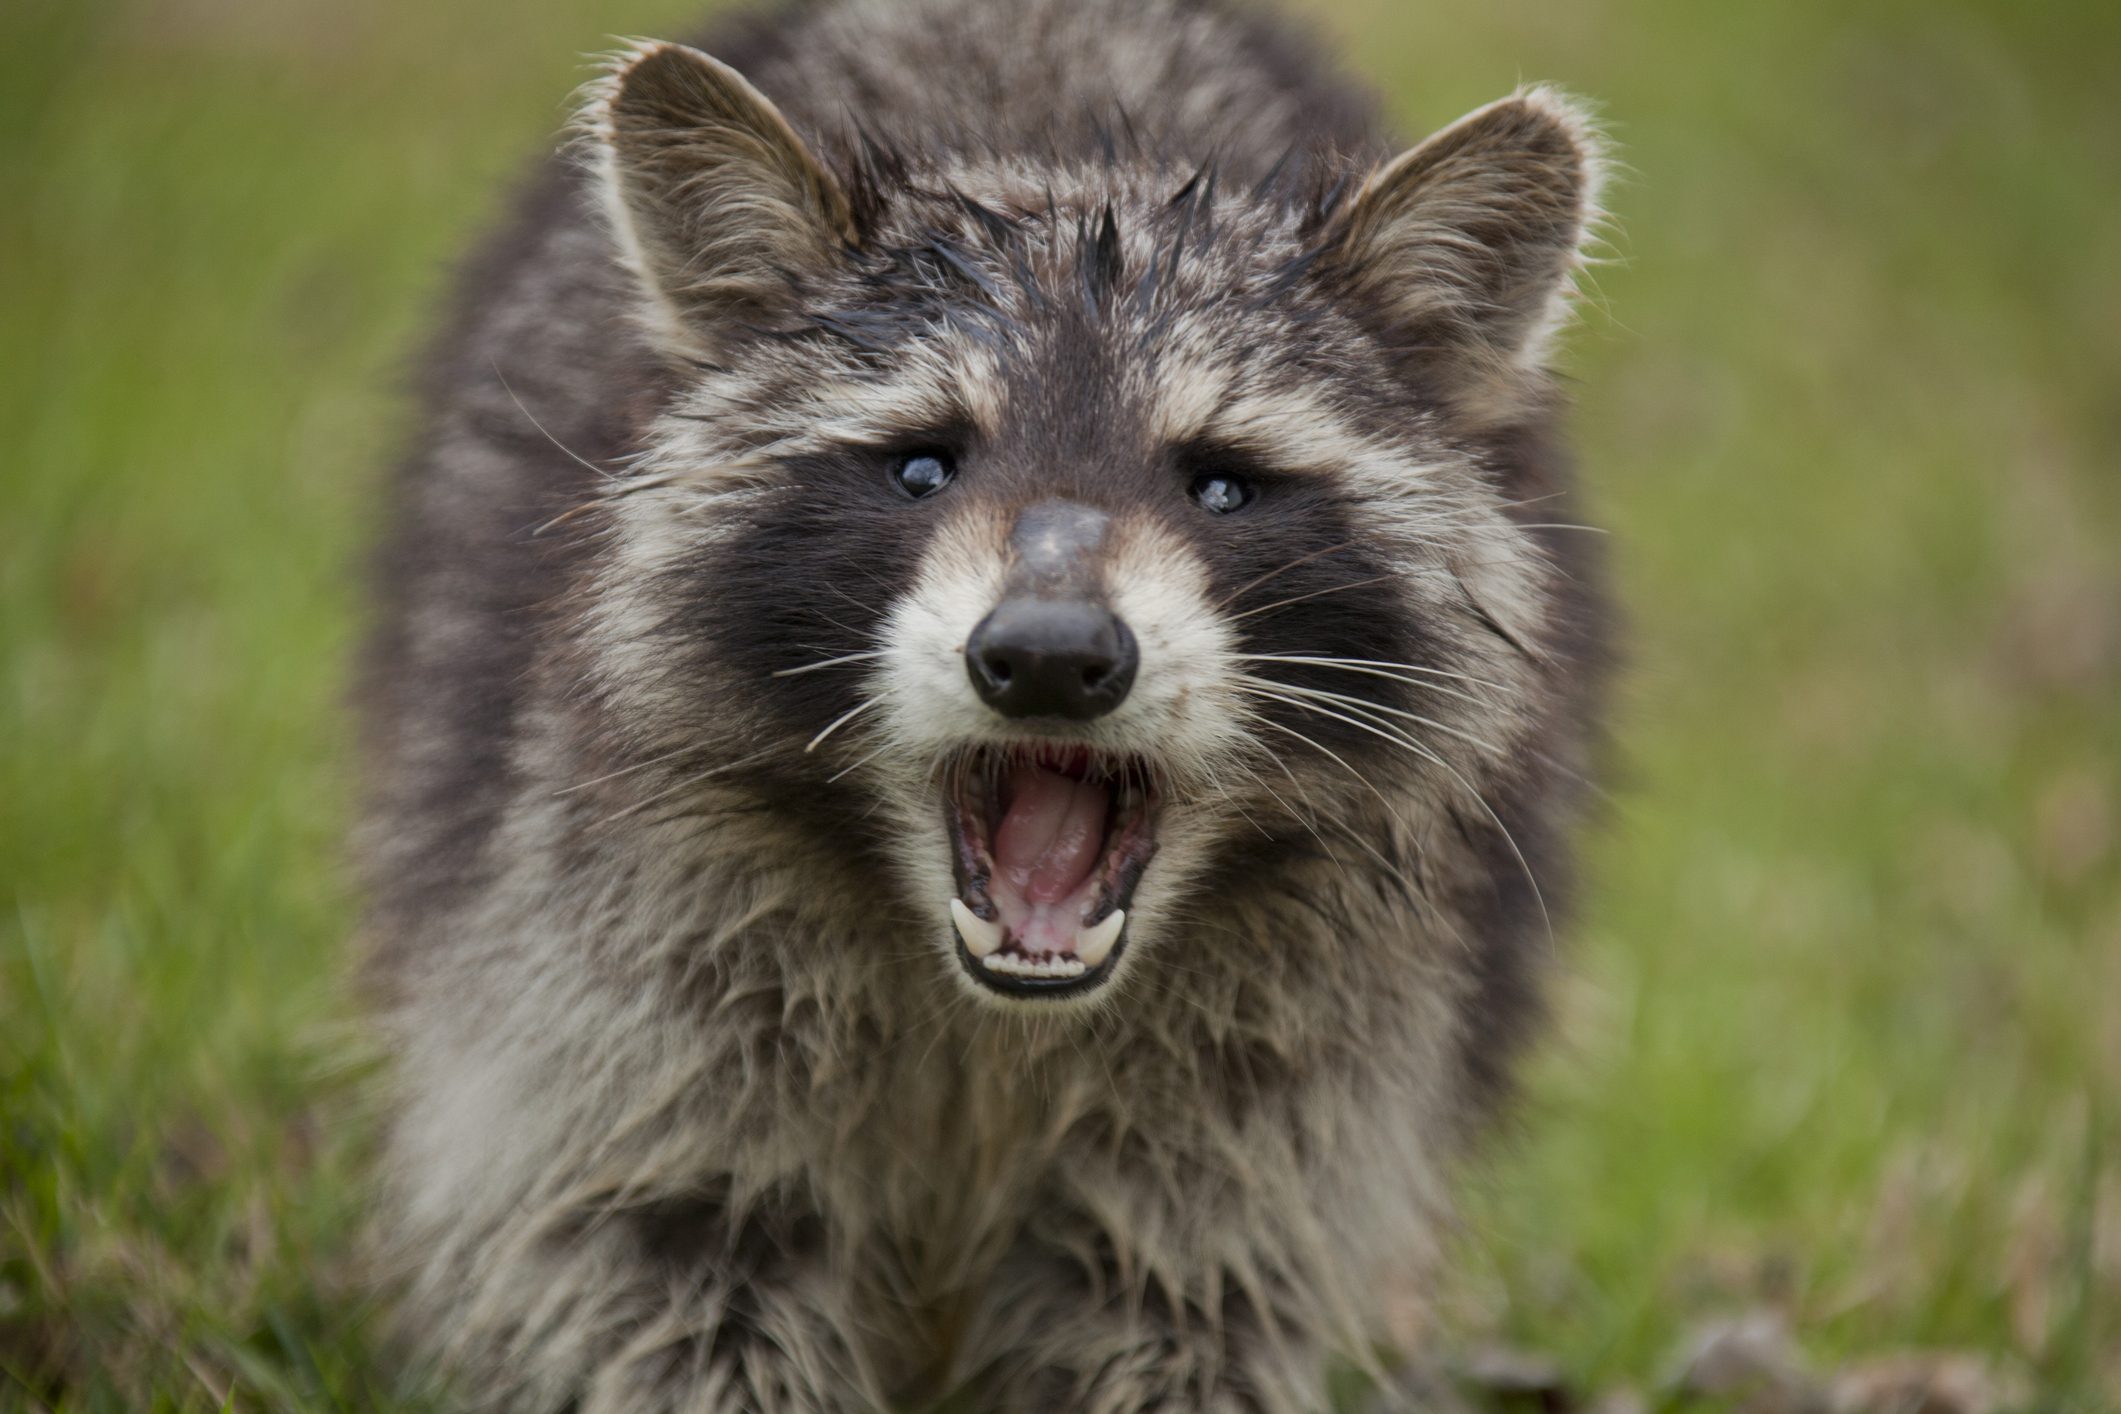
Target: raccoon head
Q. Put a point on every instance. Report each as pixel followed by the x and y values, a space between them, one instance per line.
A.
pixel 1089 538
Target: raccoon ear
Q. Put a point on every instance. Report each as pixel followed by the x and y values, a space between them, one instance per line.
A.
pixel 1469 240
pixel 715 201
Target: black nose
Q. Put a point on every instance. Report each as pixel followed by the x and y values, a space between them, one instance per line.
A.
pixel 1051 658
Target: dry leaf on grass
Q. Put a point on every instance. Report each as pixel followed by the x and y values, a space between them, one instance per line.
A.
pixel 1752 1360
pixel 1927 1382
pixel 1506 1374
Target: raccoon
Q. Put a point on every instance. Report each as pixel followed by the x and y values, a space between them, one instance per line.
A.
pixel 983 675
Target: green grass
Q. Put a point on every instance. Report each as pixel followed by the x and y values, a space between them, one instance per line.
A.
pixel 1841 1030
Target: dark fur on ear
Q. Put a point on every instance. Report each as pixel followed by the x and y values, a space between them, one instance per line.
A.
pixel 1466 242
pixel 716 202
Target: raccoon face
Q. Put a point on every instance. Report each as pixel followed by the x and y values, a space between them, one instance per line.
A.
pixel 1074 540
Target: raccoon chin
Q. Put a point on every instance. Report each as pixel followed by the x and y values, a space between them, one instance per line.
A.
pixel 1049 841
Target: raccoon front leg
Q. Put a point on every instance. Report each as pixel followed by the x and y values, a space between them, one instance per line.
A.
pixel 743 1346
pixel 665 1309
pixel 1068 1332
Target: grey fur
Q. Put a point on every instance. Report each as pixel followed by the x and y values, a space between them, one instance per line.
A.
pixel 696 1107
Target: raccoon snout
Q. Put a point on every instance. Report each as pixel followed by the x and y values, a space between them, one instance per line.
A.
pixel 1052 658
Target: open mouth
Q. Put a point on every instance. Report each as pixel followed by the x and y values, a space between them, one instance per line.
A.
pixel 1050 840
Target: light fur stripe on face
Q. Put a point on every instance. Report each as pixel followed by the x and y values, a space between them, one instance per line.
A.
pixel 929 701
pixel 1296 429
pixel 1180 711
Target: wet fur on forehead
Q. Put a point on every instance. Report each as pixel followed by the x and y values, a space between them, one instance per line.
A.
pixel 969 288
pixel 996 294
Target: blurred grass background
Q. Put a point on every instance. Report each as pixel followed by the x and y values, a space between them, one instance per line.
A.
pixel 1841 1031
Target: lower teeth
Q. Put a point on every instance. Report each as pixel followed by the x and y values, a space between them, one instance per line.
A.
pixel 983 939
pixel 1018 966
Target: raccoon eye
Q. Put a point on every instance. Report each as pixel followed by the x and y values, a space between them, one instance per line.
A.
pixel 1219 493
pixel 921 474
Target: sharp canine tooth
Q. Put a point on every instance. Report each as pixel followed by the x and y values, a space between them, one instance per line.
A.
pixel 981 937
pixel 1093 944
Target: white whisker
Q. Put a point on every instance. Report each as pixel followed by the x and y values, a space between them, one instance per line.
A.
pixel 600 471
pixel 829 663
pixel 842 720
pixel 625 771
pixel 1371 665
pixel 1393 735
pixel 1232 596
pixel 612 498
pixel 856 765
pixel 1368 672
pixel 1413 890
pixel 690 781
pixel 1314 594
pixel 1385 729
pixel 1369 706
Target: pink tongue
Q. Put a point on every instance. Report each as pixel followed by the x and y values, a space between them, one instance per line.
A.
pixel 1048 843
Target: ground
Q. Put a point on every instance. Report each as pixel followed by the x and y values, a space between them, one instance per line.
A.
pixel 1840 1032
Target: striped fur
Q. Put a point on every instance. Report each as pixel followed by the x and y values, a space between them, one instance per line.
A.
pixel 696 1107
